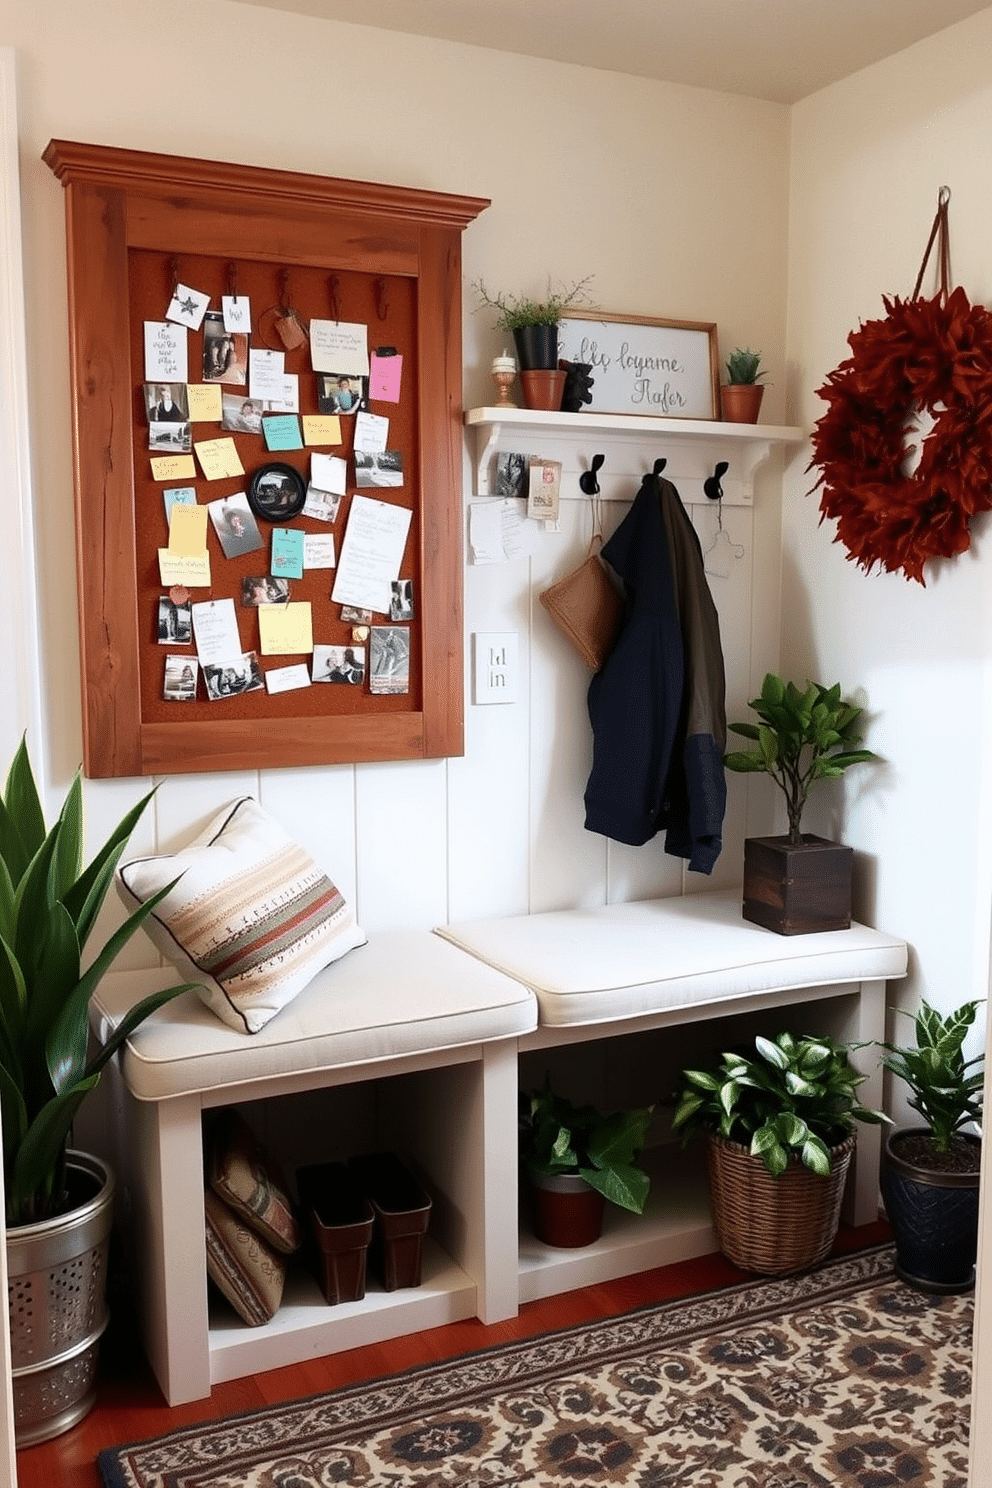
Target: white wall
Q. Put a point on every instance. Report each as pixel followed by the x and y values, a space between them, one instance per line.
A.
pixel 631 181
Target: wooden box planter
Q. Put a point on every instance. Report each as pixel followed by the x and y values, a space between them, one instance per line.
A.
pixel 796 889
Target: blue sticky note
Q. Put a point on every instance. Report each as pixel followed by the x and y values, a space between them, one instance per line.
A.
pixel 287 553
pixel 282 431
pixel 184 495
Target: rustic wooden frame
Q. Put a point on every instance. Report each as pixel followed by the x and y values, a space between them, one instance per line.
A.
pixel 611 330
pixel 119 201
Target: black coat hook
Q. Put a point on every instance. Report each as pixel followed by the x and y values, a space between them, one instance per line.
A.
pixel 711 485
pixel 659 466
pixel 587 480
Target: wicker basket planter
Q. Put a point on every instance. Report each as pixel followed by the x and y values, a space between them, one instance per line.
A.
pixel 774 1226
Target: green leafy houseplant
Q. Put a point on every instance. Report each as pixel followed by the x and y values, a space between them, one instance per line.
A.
pixel 557 1137
pixel 795 1097
pixel 945 1088
pixel 48 907
pixel 802 736
pixel 514 311
pixel 743 367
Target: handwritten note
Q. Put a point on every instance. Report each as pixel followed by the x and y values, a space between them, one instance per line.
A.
pixel 371 433
pixel 286 679
pixel 339 346
pixel 215 626
pixel 205 404
pixel 285 630
pixel 172 467
pixel 287 553
pixel 165 352
pixel 218 458
pixel 321 428
pixel 188 529
pixel 236 310
pixel 318 550
pixel 189 569
pixel 385 373
pixel 265 373
pixel 329 473
pixel 182 495
pixel 282 431
pixel 371 553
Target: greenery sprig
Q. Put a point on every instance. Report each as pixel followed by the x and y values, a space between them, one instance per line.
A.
pixel 514 311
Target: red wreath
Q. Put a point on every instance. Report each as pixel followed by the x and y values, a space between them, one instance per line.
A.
pixel 926 354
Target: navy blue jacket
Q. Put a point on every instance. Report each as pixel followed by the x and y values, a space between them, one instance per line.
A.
pixel 657 705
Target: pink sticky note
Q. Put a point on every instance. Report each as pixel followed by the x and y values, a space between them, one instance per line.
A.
pixel 384 377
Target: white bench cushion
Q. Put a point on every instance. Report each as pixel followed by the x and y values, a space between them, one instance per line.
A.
pixel 406 992
pixel 620 961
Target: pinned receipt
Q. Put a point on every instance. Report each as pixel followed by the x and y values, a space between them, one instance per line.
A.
pixel 499 531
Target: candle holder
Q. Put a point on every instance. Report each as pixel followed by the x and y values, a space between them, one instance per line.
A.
pixel 504 371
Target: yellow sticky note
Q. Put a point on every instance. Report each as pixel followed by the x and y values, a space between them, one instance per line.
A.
pixel 205 406
pixel 188 529
pixel 218 458
pixel 173 467
pixel 321 428
pixel 191 569
pixel 285 630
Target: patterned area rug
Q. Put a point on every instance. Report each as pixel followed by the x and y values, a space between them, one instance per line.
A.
pixel 844 1378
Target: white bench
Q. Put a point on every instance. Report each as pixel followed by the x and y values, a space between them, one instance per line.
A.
pixel 438 1022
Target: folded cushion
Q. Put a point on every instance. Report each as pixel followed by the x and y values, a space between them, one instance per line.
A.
pixel 252 919
pixel 250 1273
pixel 243 1174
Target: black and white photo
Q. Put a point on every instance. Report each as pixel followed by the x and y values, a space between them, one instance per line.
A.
pixel 175 622
pixel 339 664
pixel 389 659
pixel 233 677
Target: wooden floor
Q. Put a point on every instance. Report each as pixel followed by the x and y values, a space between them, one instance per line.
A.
pixel 130 1406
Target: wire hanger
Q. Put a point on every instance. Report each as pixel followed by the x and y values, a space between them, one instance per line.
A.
pixel 720 556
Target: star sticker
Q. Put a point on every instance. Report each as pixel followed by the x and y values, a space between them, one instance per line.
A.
pixel 188 306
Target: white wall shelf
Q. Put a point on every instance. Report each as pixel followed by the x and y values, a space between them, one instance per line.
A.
pixel 631 444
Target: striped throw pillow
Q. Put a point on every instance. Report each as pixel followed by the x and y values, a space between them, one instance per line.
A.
pixel 253 918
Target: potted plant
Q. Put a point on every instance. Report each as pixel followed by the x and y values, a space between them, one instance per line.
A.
pixel 533 323
pixel 576 1158
pixel 780 1131
pixel 798 883
pixel 58 1202
pixel 741 394
pixel 930 1173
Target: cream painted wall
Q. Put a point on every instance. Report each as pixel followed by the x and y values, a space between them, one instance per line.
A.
pixel 589 172
pixel 868 158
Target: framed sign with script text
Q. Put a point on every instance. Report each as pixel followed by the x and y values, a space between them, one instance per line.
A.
pixel 662 368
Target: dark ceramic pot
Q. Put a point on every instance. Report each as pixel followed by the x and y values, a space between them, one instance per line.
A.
pixel 537 348
pixel 934 1218
pixel 567 1212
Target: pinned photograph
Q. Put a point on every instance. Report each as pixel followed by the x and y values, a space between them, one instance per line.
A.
pixel 180 679
pixel 382 469
pixel 169 428
pixel 352 615
pixel 338 664
pixel 401 599
pixel 175 623
pixel 225 353
pixel 543 489
pixel 236 528
pixel 323 506
pixel 231 678
pixel 389 661
pixel 264 590
pixel 511 474
pixel 241 415
pixel 342 392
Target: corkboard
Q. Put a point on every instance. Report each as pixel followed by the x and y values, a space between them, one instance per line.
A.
pixel 384 256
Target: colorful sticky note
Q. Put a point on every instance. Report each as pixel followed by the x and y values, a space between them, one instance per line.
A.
pixel 185 495
pixel 191 569
pixel 172 467
pixel 205 405
pixel 285 630
pixel 287 553
pixel 218 458
pixel 321 428
pixel 385 373
pixel 282 431
pixel 188 529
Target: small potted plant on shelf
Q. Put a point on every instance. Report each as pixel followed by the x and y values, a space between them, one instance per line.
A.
pixel 575 1159
pixel 58 1201
pixel 930 1173
pixel 533 324
pixel 798 883
pixel 780 1132
pixel 741 394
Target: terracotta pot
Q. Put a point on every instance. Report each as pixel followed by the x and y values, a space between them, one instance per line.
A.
pixel 741 402
pixel 567 1212
pixel 543 389
pixel 934 1218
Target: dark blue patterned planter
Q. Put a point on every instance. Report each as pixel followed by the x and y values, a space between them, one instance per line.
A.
pixel 934 1217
